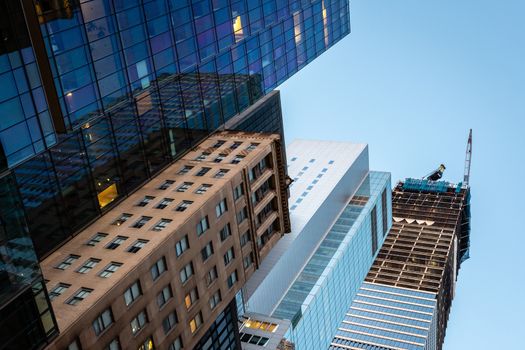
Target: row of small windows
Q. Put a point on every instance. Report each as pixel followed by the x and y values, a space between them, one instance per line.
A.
pixel 89 265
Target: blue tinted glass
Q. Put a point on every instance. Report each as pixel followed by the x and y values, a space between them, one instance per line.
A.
pixel 8 86
pixel 11 113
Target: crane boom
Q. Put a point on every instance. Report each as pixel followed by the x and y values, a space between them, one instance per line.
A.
pixel 468 157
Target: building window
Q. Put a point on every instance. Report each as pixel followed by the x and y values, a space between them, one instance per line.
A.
pixel 229 256
pixel 164 203
pixel 220 173
pixel 251 147
pixel 183 205
pixel 147 344
pixel 96 239
pixel 116 242
pixel 144 201
pixel 122 219
pixel 75 345
pixel 324 170
pixel 313 160
pixel 245 238
pixel 88 265
pixel 242 215
pixel 176 345
pixel 113 345
pixel 207 251
pixel 225 232
pixel 79 296
pixel 232 278
pixel 253 339
pixel 215 299
pixel 203 225
pixel 237 159
pixel 181 246
pixel 186 169
pixel 110 269
pixel 186 272
pixel 211 276
pixel 67 262
pixel 219 143
pixel 248 260
pixel 141 222
pixel 196 322
pixel 158 268
pixel 202 189
pixel 203 171
pixel 219 158
pixel 164 296
pixel 384 212
pixel 191 298
pixel 169 322
pixel 132 293
pixel 103 321
pixel 238 192
pixel 184 186
pixel 235 145
pixel 138 245
pixel 58 290
pixel 373 231
pixel 202 156
pixel 161 225
pixel 138 322
pixel 221 208
pixel 166 184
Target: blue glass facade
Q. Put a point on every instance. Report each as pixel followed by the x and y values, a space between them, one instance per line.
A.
pixel 25 123
pixel 319 297
pixel 136 84
pixel 389 318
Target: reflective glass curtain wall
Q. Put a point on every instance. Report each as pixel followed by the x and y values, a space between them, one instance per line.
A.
pixel 140 82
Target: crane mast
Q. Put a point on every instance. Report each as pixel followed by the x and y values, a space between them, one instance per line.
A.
pixel 468 157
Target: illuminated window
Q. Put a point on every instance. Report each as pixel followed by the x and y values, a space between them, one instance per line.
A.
pixel 108 195
pixel 196 322
pixel 191 298
pixel 237 29
pixel 147 344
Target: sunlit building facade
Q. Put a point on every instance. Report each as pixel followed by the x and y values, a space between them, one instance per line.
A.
pixel 406 300
pixel 99 96
pixel 340 213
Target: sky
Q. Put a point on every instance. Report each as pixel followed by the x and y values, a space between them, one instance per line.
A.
pixel 410 80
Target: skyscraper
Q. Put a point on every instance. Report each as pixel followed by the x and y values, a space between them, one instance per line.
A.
pixel 406 299
pixel 164 266
pixel 340 212
pixel 100 96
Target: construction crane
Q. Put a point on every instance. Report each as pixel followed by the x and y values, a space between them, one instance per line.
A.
pixel 436 174
pixel 468 157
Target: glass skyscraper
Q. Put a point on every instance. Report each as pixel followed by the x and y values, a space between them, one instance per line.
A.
pixel 406 300
pixel 99 96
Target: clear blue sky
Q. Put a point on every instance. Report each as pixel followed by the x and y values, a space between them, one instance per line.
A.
pixel 410 80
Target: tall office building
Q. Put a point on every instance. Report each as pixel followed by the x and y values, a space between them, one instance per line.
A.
pixel 340 213
pixel 406 299
pixel 100 96
pixel 162 269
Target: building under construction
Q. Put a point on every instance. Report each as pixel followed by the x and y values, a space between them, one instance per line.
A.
pixel 406 298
